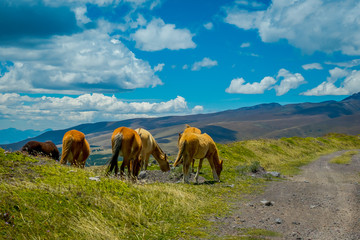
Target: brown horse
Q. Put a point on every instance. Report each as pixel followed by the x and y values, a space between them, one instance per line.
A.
pixel 127 143
pixel 150 146
pixel 189 129
pixel 47 149
pixel 198 146
pixel 75 149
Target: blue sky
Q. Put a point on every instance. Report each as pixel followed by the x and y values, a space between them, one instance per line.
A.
pixel 68 62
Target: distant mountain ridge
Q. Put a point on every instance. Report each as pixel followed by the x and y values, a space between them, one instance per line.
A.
pixel 270 120
pixel 11 135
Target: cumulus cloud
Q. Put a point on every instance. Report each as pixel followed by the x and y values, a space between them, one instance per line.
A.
pixel 287 80
pixel 197 109
pixel 238 86
pixel 158 36
pixel 349 85
pixel 84 108
pixel 159 67
pixel 209 25
pixel 311 66
pixel 311 25
pixel 73 64
pixel 206 62
pixel 245 45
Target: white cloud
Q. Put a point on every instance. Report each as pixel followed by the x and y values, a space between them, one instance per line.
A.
pixel 158 36
pixel 80 14
pixel 245 45
pixel 84 108
pixel 288 81
pixel 238 86
pixel 197 109
pixel 311 66
pixel 159 67
pixel 312 25
pixel 206 62
pixel 74 64
pixel 209 25
pixel 350 84
pixel 348 64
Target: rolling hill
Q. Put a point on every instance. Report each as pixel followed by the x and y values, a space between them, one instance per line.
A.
pixel 261 121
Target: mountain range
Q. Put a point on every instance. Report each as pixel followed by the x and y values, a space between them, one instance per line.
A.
pixel 11 135
pixel 261 121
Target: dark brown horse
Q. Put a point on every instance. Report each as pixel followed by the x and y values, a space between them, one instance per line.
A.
pixel 48 149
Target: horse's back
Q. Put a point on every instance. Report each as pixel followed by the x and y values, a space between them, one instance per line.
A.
pixel 131 140
pixel 147 140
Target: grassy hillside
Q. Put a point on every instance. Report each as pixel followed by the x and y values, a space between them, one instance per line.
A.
pixel 42 200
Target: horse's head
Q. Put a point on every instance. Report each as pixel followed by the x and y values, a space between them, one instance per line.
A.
pixel 219 168
pixel 164 165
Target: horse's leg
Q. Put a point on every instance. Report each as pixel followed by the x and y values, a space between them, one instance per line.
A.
pixel 186 166
pixel 192 165
pixel 79 162
pixel 211 162
pixel 198 170
pixel 122 168
pixel 146 160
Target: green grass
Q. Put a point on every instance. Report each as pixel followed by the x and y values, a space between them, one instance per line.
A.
pixel 344 158
pixel 41 199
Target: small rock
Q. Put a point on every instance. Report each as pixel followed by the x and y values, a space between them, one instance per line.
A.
pixel 142 175
pixel 306 181
pixel 267 203
pixel 296 223
pixel 278 221
pixel 231 185
pixel 95 178
pixel 274 174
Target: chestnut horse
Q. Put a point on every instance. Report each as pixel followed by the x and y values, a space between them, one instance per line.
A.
pixel 198 146
pixel 47 149
pixel 127 143
pixel 150 146
pixel 189 129
pixel 75 149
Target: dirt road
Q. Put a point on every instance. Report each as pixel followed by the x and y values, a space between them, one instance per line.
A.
pixel 321 203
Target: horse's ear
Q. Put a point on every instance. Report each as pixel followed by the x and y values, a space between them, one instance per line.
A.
pixel 187 125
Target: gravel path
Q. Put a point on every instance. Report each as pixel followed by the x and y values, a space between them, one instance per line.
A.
pixel 321 203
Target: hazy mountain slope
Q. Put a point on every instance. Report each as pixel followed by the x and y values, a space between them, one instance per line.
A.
pixel 261 121
pixel 11 135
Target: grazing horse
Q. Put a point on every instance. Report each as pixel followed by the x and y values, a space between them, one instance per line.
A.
pixel 75 149
pixel 127 143
pixel 189 129
pixel 47 148
pixel 199 146
pixel 150 146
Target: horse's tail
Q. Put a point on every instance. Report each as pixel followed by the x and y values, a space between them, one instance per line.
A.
pixel 180 154
pixel 66 150
pixel 116 150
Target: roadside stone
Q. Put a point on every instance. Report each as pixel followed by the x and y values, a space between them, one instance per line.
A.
pixel 274 174
pixel 267 203
pixel 142 175
pixel 95 179
pixel 279 221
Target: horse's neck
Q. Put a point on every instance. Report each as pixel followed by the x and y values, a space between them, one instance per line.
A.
pixel 158 153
